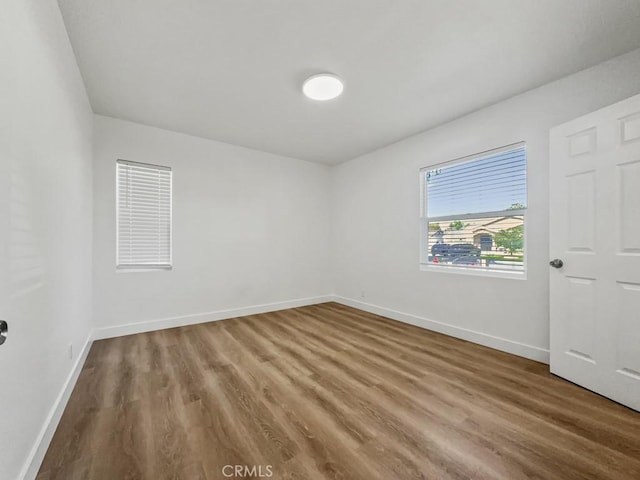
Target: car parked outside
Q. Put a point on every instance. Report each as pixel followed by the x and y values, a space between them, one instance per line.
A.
pixel 445 252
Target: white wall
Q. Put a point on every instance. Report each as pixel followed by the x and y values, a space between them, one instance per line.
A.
pixel 249 228
pixel 375 240
pixel 46 189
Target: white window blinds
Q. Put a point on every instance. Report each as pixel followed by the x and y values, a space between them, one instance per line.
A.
pixel 473 212
pixel 490 182
pixel 143 215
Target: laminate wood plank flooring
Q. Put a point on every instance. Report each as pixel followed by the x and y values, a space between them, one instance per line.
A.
pixel 330 392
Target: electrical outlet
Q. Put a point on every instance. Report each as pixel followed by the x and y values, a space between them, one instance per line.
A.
pixel 70 351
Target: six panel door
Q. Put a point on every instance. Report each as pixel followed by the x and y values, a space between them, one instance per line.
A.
pixel 595 230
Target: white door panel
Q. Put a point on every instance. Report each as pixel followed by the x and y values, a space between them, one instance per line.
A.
pixel 6 121
pixel 595 230
pixel 5 196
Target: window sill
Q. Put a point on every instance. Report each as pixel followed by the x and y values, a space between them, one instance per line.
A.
pixel 143 269
pixel 474 272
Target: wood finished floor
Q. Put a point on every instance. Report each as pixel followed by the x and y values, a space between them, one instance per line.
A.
pixel 330 392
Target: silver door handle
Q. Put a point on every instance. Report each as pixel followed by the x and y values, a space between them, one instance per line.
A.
pixel 556 263
pixel 4 329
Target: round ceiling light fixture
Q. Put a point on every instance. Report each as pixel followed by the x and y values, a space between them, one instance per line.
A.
pixel 323 86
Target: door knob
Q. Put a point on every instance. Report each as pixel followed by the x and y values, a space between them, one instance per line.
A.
pixel 4 329
pixel 556 263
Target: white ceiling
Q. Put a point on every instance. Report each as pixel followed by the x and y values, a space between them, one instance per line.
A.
pixel 231 70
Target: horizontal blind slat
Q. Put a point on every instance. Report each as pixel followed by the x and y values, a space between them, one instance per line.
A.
pixel 126 179
pixel 151 170
pixel 143 192
pixel 158 216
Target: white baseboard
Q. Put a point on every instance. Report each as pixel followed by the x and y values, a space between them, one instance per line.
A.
pixel 160 324
pixel 36 456
pixel 499 343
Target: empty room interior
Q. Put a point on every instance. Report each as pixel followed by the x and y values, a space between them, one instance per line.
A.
pixel 308 240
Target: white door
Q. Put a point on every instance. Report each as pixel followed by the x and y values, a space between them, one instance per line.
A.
pixel 595 232
pixel 8 348
pixel 5 196
pixel 6 144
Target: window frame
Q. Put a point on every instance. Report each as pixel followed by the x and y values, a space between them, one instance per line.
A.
pixel 147 267
pixel 425 265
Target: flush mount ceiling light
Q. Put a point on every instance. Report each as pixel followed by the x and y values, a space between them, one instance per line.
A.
pixel 323 86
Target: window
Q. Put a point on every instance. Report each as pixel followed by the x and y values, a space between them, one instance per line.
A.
pixel 473 212
pixel 143 201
